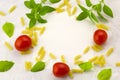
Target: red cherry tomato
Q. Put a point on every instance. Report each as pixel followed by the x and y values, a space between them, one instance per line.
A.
pixel 60 69
pixel 100 37
pixel 23 43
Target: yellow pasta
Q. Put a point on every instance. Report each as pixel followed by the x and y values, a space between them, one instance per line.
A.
pixel 66 1
pixel 40 50
pixel 35 28
pixel 97 48
pixel 78 2
pixel 77 57
pixel 74 10
pixel 30 33
pixel 22 21
pixel 86 49
pixel 42 30
pixel 61 5
pixel 102 26
pixel 2 13
pixel 93 59
pixel 63 58
pixel 12 9
pixel 35 37
pixel 109 52
pixel 8 46
pixel 41 54
pixel 28 65
pixel 78 62
pixel 100 61
pixel 68 11
pixel 118 64
pixel 70 74
pixel 26 52
pixel 59 10
pixel 77 71
pixel 52 56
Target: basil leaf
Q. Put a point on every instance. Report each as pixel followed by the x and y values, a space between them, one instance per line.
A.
pixel 83 8
pixel 82 16
pixel 88 2
pixel 27 4
pixel 5 65
pixel 104 74
pixel 32 22
pixel 39 66
pixel 99 7
pixel 30 4
pixel 107 11
pixel 86 66
pixel 46 9
pixel 30 15
pixel 94 17
pixel 41 20
pixel 101 16
pixel 54 1
pixel 43 1
pixel 8 28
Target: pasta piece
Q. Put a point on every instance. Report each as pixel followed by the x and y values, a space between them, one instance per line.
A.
pixel 8 46
pixel 22 21
pixel 78 2
pixel 77 71
pixel 12 9
pixel 28 65
pixel 109 52
pixel 74 10
pixel 52 56
pixel 63 58
pixel 86 50
pixel 2 13
pixel 118 64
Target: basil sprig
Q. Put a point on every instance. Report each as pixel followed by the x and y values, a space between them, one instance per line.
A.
pixel 38 10
pixel 94 9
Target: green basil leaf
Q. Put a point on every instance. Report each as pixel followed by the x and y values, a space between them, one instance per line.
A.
pixel 94 17
pixel 104 74
pixel 88 2
pixel 30 4
pixel 43 1
pixel 82 16
pixel 5 65
pixel 86 66
pixel 32 22
pixel 54 1
pixel 99 7
pixel 46 9
pixel 83 8
pixel 30 15
pixel 8 28
pixel 101 16
pixel 41 20
pixel 107 10
pixel 39 66
pixel 27 4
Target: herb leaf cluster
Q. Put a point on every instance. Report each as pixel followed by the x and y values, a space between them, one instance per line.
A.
pixel 98 8
pixel 38 10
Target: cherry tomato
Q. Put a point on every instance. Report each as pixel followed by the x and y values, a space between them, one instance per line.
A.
pixel 23 43
pixel 60 69
pixel 100 36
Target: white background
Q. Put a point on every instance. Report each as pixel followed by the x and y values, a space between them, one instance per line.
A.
pixel 63 36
